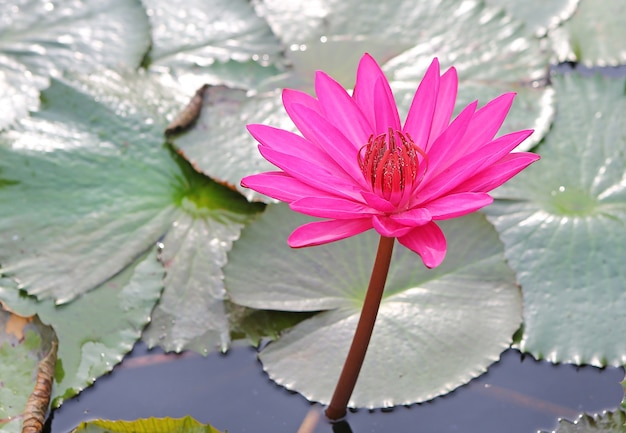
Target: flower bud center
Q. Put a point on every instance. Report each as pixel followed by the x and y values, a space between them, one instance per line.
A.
pixel 392 162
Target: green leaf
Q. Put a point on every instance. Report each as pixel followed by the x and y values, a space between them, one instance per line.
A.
pixel 191 313
pixel 539 16
pixel 563 224
pixel 24 343
pixel 216 41
pixel 87 189
pixel 594 36
pixel 606 422
pixel 42 39
pixel 99 328
pixel 437 329
pixel 152 425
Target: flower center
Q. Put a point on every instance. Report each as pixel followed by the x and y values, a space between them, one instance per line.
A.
pixel 391 163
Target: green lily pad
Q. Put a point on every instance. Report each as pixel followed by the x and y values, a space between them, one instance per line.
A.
pixel 42 39
pixel 25 345
pixel 595 35
pixel 192 313
pixel 606 422
pixel 85 190
pixel 563 224
pixel 99 328
pixel 217 41
pixel 437 329
pixel 152 425
pixel 538 15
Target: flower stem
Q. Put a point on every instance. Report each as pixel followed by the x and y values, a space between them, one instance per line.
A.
pixel 351 368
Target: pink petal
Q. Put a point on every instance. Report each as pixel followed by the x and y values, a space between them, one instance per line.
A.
pixel 429 242
pixel 292 144
pixel 413 217
pixel 447 143
pixel 331 207
pixel 419 120
pixel 464 168
pixel 331 140
pixel 486 123
pixel 367 74
pixel 456 205
pixel 312 175
pixel 341 110
pixel 377 202
pixel 322 232
pixel 496 174
pixel 386 111
pixel 279 185
pixel 389 228
pixel 446 99
pixel 291 96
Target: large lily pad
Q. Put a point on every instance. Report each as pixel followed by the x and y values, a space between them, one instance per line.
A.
pixel 540 16
pixel 99 328
pixel 216 41
pixel 39 39
pixel 27 353
pixel 595 36
pixel 436 329
pixel 563 225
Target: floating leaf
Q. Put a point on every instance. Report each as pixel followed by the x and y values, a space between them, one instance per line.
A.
pixel 563 224
pixel 436 329
pixel 607 422
pixel 27 356
pixel 99 328
pixel 595 36
pixel 215 41
pixel 152 425
pixel 192 314
pixel 104 186
pixel 539 16
pixel 39 39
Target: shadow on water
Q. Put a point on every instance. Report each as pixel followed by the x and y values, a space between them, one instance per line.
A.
pixel 517 395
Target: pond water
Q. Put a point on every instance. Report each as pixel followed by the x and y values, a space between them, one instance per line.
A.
pixel 231 392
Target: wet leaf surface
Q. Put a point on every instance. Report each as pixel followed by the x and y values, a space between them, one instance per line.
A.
pixel 42 39
pixel 607 422
pixel 594 36
pixel 443 326
pixel 538 15
pixel 562 223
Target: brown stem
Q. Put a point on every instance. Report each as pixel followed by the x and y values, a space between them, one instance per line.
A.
pixel 351 368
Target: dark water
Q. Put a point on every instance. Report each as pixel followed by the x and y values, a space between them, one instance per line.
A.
pixel 231 392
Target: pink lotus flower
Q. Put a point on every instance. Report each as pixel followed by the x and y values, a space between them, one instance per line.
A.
pixel 358 167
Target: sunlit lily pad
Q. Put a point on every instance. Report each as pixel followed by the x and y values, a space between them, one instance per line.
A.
pixel 99 328
pixel 607 422
pixel 539 15
pixel 563 225
pixel 152 425
pixel 436 329
pixel 595 35
pixel 216 41
pixel 39 39
pixel 95 163
pixel 27 353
